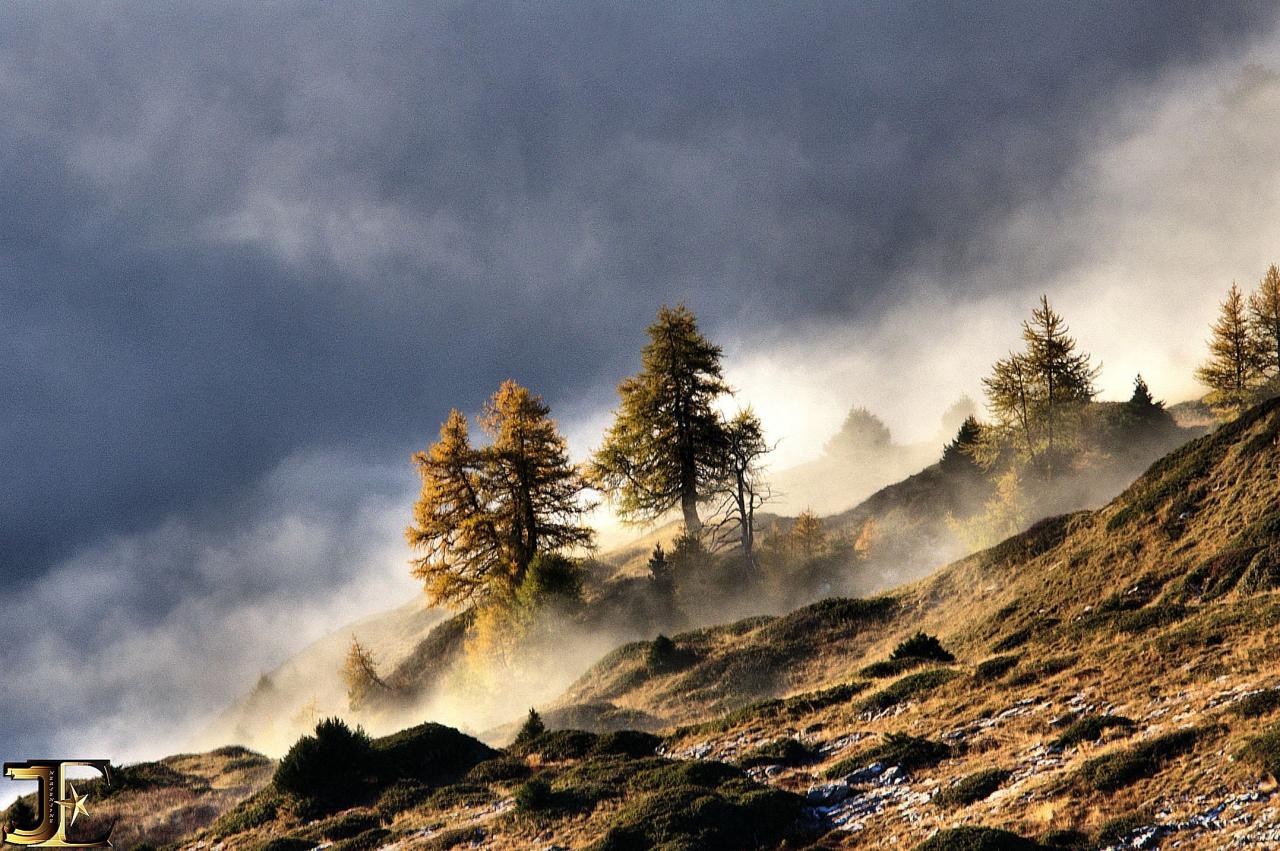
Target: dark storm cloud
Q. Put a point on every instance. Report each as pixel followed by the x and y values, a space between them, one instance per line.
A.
pixel 233 232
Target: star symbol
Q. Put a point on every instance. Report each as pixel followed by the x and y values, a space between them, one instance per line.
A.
pixel 73 803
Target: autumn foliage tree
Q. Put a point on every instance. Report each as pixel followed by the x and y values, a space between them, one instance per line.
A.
pixel 666 444
pixel 1235 366
pixel 484 513
pixel 360 673
pixel 1037 395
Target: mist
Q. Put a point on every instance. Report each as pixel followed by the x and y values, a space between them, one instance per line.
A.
pixel 265 507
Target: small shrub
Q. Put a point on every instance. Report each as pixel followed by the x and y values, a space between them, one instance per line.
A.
pixel 500 770
pixel 559 745
pixel 1037 671
pixel 789 752
pixel 972 788
pixel 1066 838
pixel 367 841
pixel 429 753
pixel 1115 831
pixel 328 767
pixel 531 729
pixel 252 812
pixel 459 795
pixel 906 688
pixel 1090 728
pixel 1012 641
pixel 976 839
pixel 285 843
pixel 890 667
pixel 995 667
pixel 534 796
pixel 348 824
pixel 1119 768
pixel 900 749
pixel 1258 704
pixel 401 797
pixel 631 743
pixel 922 646
pixel 1263 751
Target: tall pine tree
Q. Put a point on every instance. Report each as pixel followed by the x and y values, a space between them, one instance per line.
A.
pixel 1235 365
pixel 484 513
pixel 666 445
pixel 1264 310
pixel 1037 395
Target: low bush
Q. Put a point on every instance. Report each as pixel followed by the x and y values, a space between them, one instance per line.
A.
pixel 972 788
pixel 501 770
pixel 328 767
pixel 921 646
pixel 559 745
pixel 429 753
pixel 995 667
pixel 900 749
pixel 1258 704
pixel 1037 671
pixel 790 752
pixel 906 688
pixel 534 796
pixel 692 817
pixel 254 811
pixel 367 841
pixel 627 743
pixel 1119 768
pixel 665 656
pixel 285 843
pixel 401 797
pixel 1263 751
pixel 890 667
pixel 1089 728
pixel 977 839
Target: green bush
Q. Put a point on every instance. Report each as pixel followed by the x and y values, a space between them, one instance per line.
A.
pixel 348 824
pixel 328 767
pixel 1089 728
pixel 631 743
pixel 995 667
pixel 501 770
pixel 906 688
pixel 905 751
pixel 401 797
pixel 778 752
pixel 559 745
pixel 665 656
pixel 1012 641
pixel 890 667
pixel 285 843
pixel 687 818
pixel 534 796
pixel 972 788
pixel 430 753
pixel 1119 768
pixel 1066 838
pixel 1258 704
pixel 922 646
pixel 1037 671
pixel 1263 751
pixel 977 839
pixel 254 811
pixel 367 841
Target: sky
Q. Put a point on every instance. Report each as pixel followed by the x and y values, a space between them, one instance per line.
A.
pixel 251 254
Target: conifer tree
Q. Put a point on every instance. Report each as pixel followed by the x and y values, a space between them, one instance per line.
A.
pixel 1234 368
pixel 666 445
pixel 484 513
pixel 1037 395
pixel 808 536
pixel 960 452
pixel 1264 310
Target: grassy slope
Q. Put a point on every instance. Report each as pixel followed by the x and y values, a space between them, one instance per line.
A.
pixel 1159 607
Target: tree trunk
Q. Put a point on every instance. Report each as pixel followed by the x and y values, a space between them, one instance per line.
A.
pixel 689 505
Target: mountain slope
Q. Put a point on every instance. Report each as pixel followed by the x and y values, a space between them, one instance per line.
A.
pixel 1115 680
